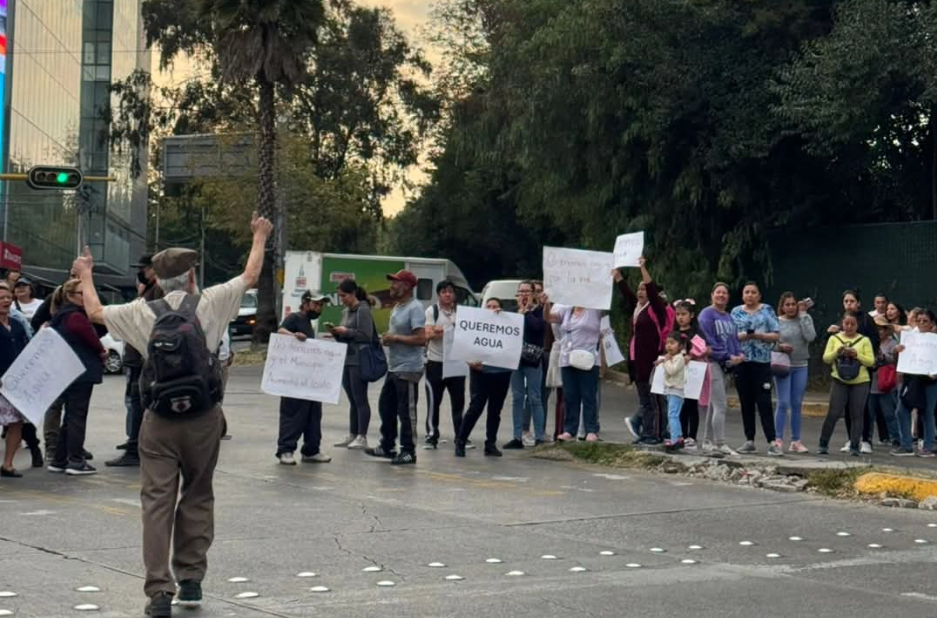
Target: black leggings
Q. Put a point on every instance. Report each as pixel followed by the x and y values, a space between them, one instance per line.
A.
pixel 689 418
pixel 753 382
pixel 487 389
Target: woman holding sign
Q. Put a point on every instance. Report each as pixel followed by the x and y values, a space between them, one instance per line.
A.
pixel 649 327
pixel 489 387
pixel 918 392
pixel 581 329
pixel 13 340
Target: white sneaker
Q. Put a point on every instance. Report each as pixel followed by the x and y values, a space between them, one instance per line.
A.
pixel 468 445
pixel 286 459
pixel 317 458
pixel 866 448
pixel 358 444
pixel 528 439
pixel 708 445
pixel 846 447
pixel 725 449
pixel 345 441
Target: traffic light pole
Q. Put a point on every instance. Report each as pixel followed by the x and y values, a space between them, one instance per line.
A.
pixel 87 178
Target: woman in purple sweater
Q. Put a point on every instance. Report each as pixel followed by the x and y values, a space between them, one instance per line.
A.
pixel 721 334
pixel 649 316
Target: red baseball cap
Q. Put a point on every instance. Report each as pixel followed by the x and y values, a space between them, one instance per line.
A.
pixel 404 275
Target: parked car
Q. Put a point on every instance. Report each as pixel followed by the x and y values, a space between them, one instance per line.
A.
pixel 504 290
pixel 247 315
pixel 115 354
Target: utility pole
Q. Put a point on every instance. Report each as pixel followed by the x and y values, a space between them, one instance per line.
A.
pixel 201 251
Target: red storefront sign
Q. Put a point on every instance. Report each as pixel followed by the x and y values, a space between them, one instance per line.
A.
pixel 11 256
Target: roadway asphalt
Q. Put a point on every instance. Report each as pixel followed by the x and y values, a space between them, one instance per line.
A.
pixel 273 522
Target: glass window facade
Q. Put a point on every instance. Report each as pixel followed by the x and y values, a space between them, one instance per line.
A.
pixel 65 55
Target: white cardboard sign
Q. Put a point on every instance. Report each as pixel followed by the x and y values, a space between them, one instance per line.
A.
pixel 695 374
pixel 40 374
pixel 613 354
pixel 451 368
pixel 310 369
pixel 920 354
pixel 495 339
pixel 578 278
pixel 657 381
pixel 628 250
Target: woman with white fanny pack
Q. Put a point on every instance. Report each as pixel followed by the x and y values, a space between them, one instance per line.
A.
pixel 579 366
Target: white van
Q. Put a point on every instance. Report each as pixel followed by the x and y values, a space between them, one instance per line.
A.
pixel 504 290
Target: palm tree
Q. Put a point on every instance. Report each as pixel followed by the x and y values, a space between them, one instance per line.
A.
pixel 264 43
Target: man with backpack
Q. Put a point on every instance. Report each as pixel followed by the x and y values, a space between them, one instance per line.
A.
pixel 183 423
pixel 439 317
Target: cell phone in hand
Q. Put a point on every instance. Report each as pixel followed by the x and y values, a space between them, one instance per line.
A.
pixel 750 331
pixel 808 303
pixel 329 325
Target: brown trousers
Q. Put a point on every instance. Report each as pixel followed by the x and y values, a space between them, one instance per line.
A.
pixel 170 449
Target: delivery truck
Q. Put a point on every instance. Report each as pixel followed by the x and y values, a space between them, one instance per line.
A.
pixel 322 272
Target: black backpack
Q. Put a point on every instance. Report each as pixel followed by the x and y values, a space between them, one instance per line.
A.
pixel 847 368
pixel 180 377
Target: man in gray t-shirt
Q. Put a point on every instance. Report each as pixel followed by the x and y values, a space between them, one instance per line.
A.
pixel 405 340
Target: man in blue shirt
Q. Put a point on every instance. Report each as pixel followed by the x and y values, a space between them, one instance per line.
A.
pixel 405 340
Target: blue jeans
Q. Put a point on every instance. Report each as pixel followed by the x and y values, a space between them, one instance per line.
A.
pixel 674 405
pixel 580 392
pixel 525 385
pixel 790 389
pixel 887 404
pixel 927 416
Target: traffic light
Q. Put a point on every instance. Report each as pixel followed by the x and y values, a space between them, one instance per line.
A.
pixel 55 178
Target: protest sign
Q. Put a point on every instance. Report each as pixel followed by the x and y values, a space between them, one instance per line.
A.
pixel 310 369
pixel 484 336
pixel 40 374
pixel 657 381
pixel 578 278
pixel 920 354
pixel 613 354
pixel 451 368
pixel 695 374
pixel 628 249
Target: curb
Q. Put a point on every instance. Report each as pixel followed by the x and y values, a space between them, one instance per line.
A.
pixel 877 483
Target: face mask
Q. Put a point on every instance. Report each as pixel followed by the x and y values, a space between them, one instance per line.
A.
pixel 313 315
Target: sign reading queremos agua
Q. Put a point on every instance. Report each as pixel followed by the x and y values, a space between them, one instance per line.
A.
pixel 483 336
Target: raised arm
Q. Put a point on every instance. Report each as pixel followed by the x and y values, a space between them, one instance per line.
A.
pixel 261 228
pixel 83 268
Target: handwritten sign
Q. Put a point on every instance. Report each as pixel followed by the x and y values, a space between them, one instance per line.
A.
pixel 40 374
pixel 613 354
pixel 579 278
pixel 451 368
pixel 695 375
pixel 657 381
pixel 484 336
pixel 628 249
pixel 310 369
pixel 920 354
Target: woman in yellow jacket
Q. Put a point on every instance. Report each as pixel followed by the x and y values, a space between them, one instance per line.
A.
pixel 851 355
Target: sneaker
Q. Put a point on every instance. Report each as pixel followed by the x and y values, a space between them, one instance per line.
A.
pixel 900 452
pixel 492 451
pixel 689 443
pixel 823 450
pixel 674 445
pixel 56 467
pixel 379 452
pixel 358 444
pixel 514 445
pixel 403 459
pixel 122 447
pixel 779 443
pixel 430 443
pixel 127 460
pixel 925 454
pixel 866 448
pixel 648 441
pixel 459 449
pixel 317 458
pixel 344 442
pixel 854 452
pixel 528 439
pixel 725 449
pixel 748 447
pixel 189 593
pixel 159 605
pixel 286 459
pixel 82 469
pixel 469 446
pixel 846 447
pixel 88 456
pixel 797 447
pixel 36 454
pixel 632 427
pixel 920 445
pixel 707 445
pixel 592 437
pixel 775 451
pixel 565 437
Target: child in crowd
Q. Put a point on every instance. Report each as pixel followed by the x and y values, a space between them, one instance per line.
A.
pixel 695 350
pixel 673 365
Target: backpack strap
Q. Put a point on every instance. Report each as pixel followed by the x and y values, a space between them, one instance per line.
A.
pixel 159 307
pixel 435 313
pixel 189 304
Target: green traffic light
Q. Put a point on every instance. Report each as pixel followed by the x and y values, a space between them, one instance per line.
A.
pixel 62 178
